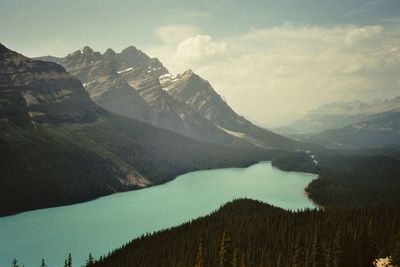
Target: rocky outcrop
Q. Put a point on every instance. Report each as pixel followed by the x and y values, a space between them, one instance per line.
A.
pixel 191 89
pixel 32 90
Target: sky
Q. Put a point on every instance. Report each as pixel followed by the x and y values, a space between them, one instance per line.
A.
pixel 272 61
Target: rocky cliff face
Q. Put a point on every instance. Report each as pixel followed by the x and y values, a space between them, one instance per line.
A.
pixel 100 77
pixel 191 89
pixel 32 90
pixel 137 86
pixel 126 83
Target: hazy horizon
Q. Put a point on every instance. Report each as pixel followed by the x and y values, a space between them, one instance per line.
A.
pixel 271 62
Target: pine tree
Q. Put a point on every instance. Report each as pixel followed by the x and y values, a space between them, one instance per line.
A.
pixel 242 264
pixel 199 256
pixel 235 262
pixel 396 251
pixel 297 254
pixel 279 260
pixel 43 263
pixel 366 254
pixel 317 255
pixel 14 263
pixel 90 260
pixel 68 261
pixel 328 257
pixel 343 253
pixel 225 253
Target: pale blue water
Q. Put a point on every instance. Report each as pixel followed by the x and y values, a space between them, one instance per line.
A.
pixel 106 223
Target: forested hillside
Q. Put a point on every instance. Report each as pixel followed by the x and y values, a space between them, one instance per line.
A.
pixel 365 178
pixel 251 233
pixel 58 147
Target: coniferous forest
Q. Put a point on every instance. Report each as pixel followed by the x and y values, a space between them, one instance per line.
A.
pixel 250 233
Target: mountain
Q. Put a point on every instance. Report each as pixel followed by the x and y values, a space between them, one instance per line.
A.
pixel 41 92
pixel 191 89
pixel 99 75
pixel 58 147
pixel 185 103
pixel 127 83
pixel 337 115
pixel 381 129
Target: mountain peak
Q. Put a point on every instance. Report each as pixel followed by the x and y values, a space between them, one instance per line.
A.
pixel 109 51
pixel 188 72
pixel 130 49
pixel 87 49
pixel 109 54
pixel 3 49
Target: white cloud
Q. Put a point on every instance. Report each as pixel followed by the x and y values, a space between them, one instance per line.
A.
pixel 363 34
pixel 199 48
pixel 273 73
pixel 174 33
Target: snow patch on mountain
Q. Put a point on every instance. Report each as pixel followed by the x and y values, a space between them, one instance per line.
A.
pixel 124 71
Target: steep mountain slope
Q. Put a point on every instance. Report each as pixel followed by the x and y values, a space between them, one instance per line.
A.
pixel 337 115
pixel 41 92
pixel 127 83
pixel 99 75
pixel 191 89
pixel 59 147
pixel 374 131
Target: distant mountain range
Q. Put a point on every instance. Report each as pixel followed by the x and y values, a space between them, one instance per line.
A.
pixel 132 84
pixel 350 125
pixel 57 146
pixel 377 130
pixel 337 115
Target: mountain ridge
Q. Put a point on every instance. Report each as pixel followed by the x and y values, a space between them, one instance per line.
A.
pixel 75 151
pixel 172 110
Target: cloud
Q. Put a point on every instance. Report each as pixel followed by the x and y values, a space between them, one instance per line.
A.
pixel 199 48
pixel 174 33
pixel 364 34
pixel 270 74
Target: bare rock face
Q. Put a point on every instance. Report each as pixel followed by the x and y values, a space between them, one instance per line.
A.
pixel 33 90
pixel 191 89
pixel 126 83
pixel 132 84
pixel 101 79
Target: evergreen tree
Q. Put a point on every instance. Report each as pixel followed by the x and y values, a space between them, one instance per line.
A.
pixel 297 260
pixel 278 260
pixel 366 254
pixel 14 263
pixel 90 260
pixel 225 253
pixel 235 262
pixel 317 255
pixel 199 256
pixel 242 264
pixel 68 261
pixel 343 253
pixel 396 250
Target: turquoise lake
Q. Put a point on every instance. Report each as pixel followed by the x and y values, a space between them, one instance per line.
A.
pixel 106 223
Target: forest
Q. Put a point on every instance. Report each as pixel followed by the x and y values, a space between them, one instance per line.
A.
pixel 348 178
pixel 51 165
pixel 250 233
